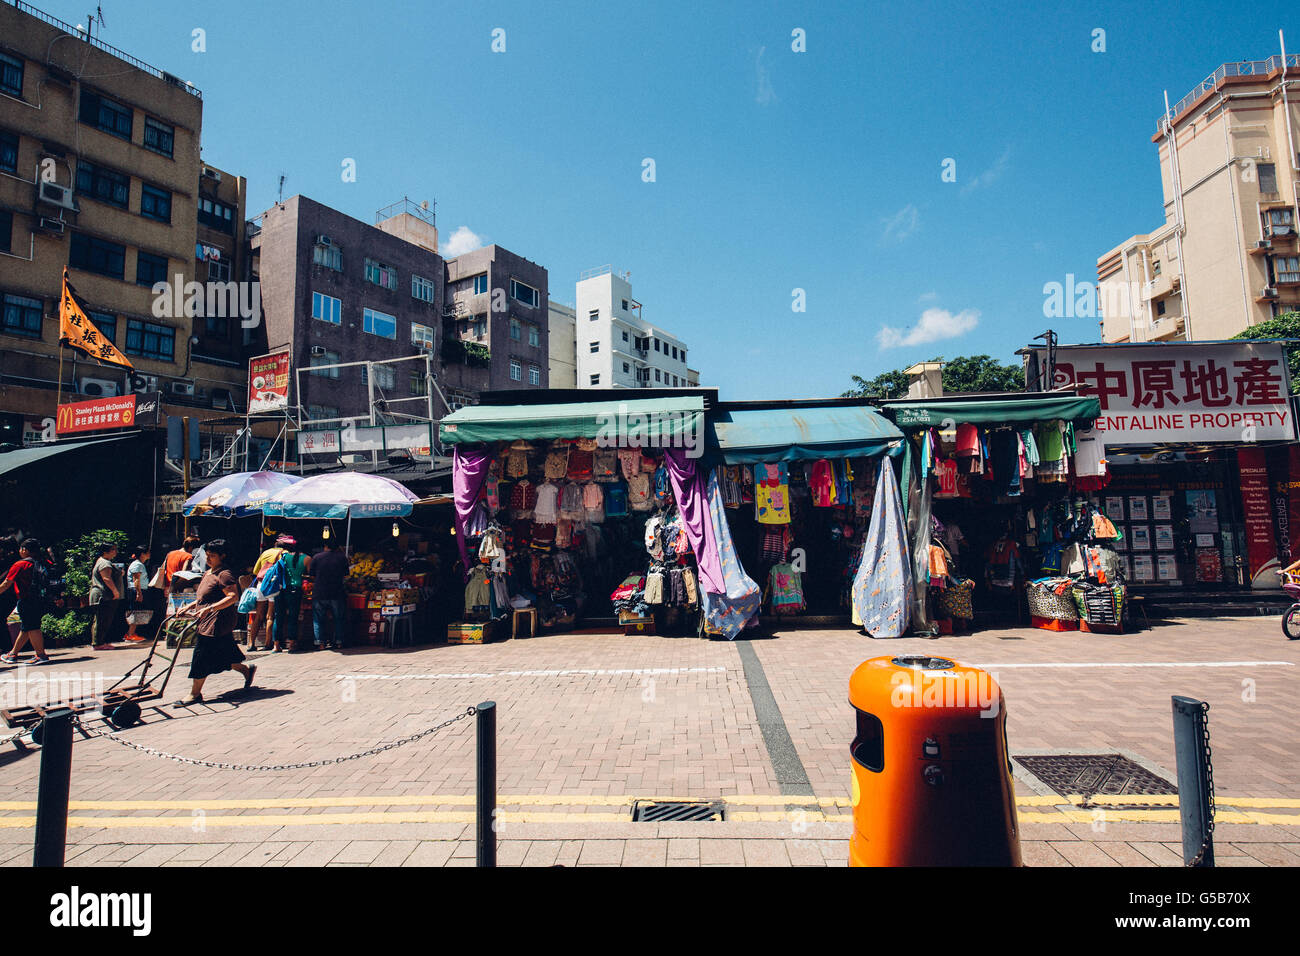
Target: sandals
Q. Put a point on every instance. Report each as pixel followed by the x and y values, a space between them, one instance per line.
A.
pixel 189 701
pixel 248 678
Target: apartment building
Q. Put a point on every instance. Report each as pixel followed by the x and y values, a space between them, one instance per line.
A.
pixel 100 172
pixel 616 347
pixel 1226 256
pixel 562 320
pixel 497 310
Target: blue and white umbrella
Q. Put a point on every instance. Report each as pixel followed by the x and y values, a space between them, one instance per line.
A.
pixel 238 495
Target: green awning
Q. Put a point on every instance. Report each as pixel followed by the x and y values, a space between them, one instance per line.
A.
pixel 997 411
pixel 747 436
pixel 636 422
pixel 21 457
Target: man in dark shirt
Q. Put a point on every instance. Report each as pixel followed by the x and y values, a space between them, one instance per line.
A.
pixel 328 569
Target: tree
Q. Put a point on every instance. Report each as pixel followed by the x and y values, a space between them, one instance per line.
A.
pixel 967 373
pixel 1284 326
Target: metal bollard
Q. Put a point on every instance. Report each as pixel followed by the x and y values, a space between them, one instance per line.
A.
pixel 52 793
pixel 1195 780
pixel 487 782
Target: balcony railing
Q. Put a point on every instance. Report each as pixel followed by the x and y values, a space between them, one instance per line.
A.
pixel 1211 82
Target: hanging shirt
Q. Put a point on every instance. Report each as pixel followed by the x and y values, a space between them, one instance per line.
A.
pixel 772 493
pixel 616 500
pixel 1050 446
pixel 557 463
pixel 517 460
pixel 729 485
pixel 639 497
pixel 822 484
pixel 547 510
pixel 580 465
pixel 630 461
pixel 605 465
pixel 968 440
pixel 492 493
pixel 1090 454
pixel 593 502
pixel 947 474
pixel 523 498
pixel 571 506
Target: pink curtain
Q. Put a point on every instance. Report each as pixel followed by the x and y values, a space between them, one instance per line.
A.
pixel 693 506
pixel 469 471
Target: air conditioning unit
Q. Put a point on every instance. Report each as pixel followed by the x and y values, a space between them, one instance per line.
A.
pixel 99 387
pixel 53 226
pixel 211 174
pixel 1269 292
pixel 185 389
pixel 57 195
pixel 324 241
pixel 318 350
pixel 144 383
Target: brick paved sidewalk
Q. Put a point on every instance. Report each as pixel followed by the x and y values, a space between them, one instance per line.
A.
pixel 589 723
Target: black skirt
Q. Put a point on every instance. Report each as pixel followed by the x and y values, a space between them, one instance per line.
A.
pixel 215 654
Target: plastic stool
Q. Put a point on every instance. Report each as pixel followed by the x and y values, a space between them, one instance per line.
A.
pixel 526 612
pixel 402 624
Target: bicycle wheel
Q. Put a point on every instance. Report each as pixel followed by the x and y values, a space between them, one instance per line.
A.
pixel 1291 622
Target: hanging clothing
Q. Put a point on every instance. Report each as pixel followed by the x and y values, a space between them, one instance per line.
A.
pixel 882 586
pixel 968 441
pixel 593 502
pixel 1090 454
pixel 605 465
pixel 822 484
pixel 729 611
pixel 571 506
pixel 616 500
pixel 638 492
pixel 580 465
pixel 785 589
pixel 547 510
pixel 557 463
pixel 523 499
pixel 630 461
pixel 1051 447
pixel 729 485
pixel 517 459
pixel 772 493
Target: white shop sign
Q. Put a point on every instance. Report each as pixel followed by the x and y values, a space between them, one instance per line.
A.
pixel 1170 393
pixel 387 437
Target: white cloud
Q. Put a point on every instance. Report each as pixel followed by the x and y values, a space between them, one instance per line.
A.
pixel 901 224
pixel 927 297
pixel 990 175
pixel 462 240
pixel 935 325
pixel 765 93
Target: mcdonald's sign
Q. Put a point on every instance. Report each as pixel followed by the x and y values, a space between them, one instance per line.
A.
pixel 96 415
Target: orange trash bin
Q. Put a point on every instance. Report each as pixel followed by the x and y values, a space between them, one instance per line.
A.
pixel 931 773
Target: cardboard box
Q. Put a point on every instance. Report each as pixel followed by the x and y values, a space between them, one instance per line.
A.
pixel 392 596
pixel 461 633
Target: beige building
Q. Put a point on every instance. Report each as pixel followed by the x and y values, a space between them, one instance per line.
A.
pixel 100 172
pixel 1226 256
pixel 563 355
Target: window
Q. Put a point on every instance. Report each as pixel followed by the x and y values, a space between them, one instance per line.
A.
pixel 381 275
pixel 625 305
pixel 379 323
pixel 674 381
pixel 422 288
pixel 327 308
pixel 625 368
pixel 217 327
pixel 514 330
pixel 595 380
pixel 683 356
pixel 97 255
pixel 6 231
pixel 106 322
pixel 594 314
pixel 656 341
pixel 324 357
pixel 1278 224
pixel 1287 268
pixel 674 351
pixel 22 316
pixel 322 412
pixel 625 336
pixel 8 152
pixel 534 336
pixel 419 386
pixel 104 184
pixel 422 336
pixel 216 215
pixel 595 347
pixel 331 257
pixel 1267 177
pixel 104 114
pixel 1155 267
pixel 1160 307
pixel 150 341
pixel 516 371
pixel 219 271
pixel 158 136
pixel 11 75
pixel 150 269
pixel 480 325
pixel 155 203
pixel 524 293
pixel 534 375
pixel 385 376
pixel 480 284
pixel 657 378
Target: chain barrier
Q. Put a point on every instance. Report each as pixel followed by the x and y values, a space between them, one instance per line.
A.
pixel 218 765
pixel 1209 776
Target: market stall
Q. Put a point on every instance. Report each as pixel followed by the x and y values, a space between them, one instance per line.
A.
pixel 997 490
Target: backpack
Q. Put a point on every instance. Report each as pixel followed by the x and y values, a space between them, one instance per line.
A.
pixel 40 582
pixel 247 601
pixel 273 580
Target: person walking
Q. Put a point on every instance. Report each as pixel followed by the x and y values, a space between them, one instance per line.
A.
pixel 215 649
pixel 329 569
pixel 263 617
pixel 105 594
pixel 138 611
pixel 289 601
pixel 27 577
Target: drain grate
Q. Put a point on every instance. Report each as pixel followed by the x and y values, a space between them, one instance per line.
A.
pixel 677 811
pixel 1089 775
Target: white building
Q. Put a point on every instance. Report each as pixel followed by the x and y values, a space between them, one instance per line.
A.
pixel 615 347
pixel 563 354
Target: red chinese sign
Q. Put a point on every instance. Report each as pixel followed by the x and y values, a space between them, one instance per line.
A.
pixel 1168 393
pixel 95 415
pixel 268 382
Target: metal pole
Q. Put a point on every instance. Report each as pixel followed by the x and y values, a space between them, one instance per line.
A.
pixel 185 459
pixel 487 783
pixel 1195 785
pixel 52 794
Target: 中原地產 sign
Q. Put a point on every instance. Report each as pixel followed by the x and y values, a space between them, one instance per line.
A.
pixel 1163 393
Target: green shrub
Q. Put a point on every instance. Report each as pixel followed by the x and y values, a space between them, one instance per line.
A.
pixel 71 629
pixel 79 558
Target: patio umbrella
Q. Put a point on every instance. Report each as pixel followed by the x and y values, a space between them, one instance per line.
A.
pixel 238 495
pixel 346 494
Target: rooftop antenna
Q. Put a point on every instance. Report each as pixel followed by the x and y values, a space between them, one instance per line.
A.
pixel 91 18
pixel 280 201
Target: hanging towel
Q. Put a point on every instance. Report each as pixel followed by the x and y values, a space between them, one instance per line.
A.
pixel 882 587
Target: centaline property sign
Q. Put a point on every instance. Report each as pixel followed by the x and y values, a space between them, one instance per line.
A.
pixel 1164 393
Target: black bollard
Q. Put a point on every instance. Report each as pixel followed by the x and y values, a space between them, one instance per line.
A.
pixel 487 782
pixel 52 795
pixel 1195 783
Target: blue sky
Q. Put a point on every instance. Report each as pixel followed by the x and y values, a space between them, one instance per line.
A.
pixel 774 170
